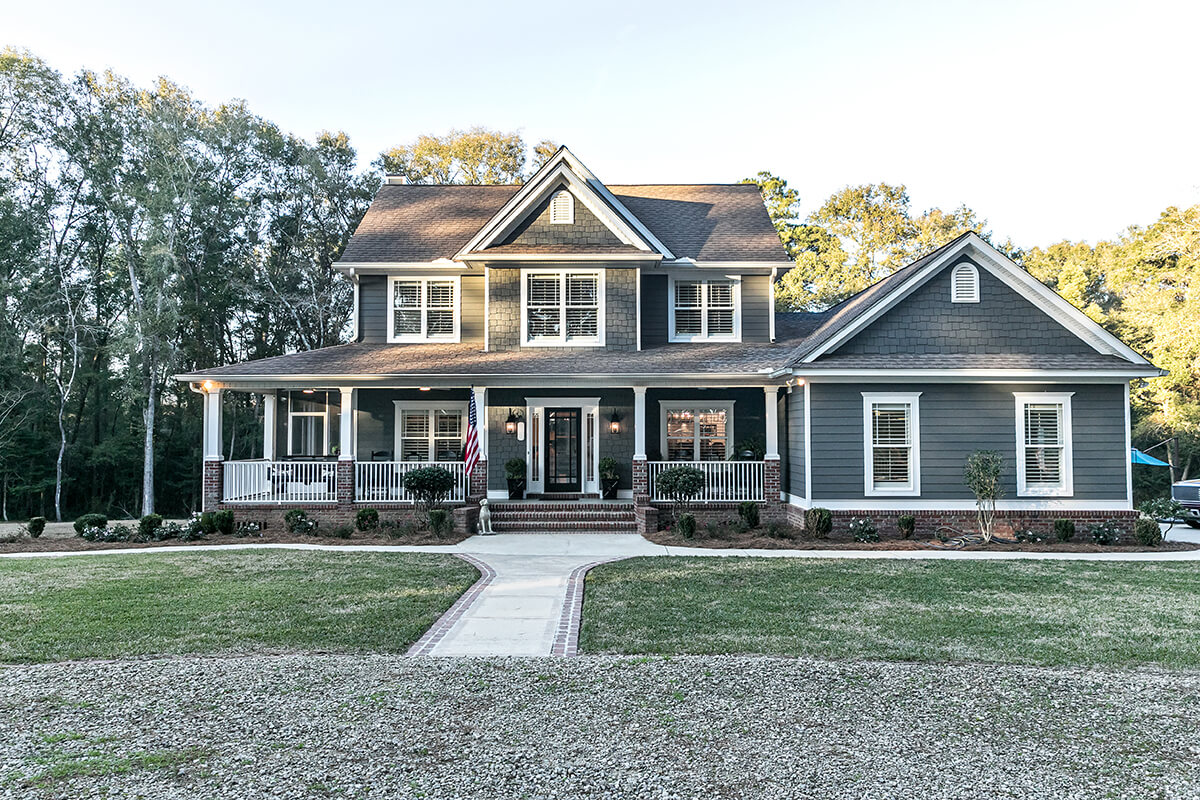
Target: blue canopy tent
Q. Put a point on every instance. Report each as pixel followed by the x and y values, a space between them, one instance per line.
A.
pixel 1141 458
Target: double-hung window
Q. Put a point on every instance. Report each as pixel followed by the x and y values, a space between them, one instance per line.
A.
pixel 430 434
pixel 1044 444
pixel 697 432
pixel 892 438
pixel 704 310
pixel 312 420
pixel 423 309
pixel 562 307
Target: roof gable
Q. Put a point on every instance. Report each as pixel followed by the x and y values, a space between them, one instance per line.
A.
pixel 849 319
pixel 563 171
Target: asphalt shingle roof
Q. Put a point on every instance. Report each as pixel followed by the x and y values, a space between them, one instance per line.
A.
pixel 706 222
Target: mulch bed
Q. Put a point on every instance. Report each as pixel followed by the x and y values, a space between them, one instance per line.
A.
pixel 757 539
pixel 47 544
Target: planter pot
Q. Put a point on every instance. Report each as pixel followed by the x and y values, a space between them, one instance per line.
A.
pixel 608 488
pixel 516 488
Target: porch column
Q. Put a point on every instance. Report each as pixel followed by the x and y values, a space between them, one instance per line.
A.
pixel 345 463
pixel 477 484
pixel 772 421
pixel 269 409
pixel 773 508
pixel 641 477
pixel 214 474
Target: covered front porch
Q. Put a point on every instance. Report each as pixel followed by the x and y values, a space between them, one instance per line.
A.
pixel 345 445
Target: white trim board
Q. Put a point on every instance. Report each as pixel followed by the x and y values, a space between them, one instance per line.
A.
pixel 1003 268
pixel 913 487
pixel 1028 504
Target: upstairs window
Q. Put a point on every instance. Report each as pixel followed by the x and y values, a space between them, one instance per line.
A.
pixel 964 284
pixel 891 431
pixel 423 309
pixel 1044 444
pixel 705 310
pixel 562 208
pixel 562 307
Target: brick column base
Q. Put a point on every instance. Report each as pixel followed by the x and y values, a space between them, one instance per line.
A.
pixel 647 518
pixel 477 486
pixel 213 485
pixel 466 520
pixel 641 482
pixel 774 509
pixel 345 483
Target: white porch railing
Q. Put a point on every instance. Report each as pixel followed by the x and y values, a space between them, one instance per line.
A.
pixel 383 481
pixel 724 481
pixel 280 482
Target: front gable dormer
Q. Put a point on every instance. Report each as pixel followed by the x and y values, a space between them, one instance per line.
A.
pixel 563 211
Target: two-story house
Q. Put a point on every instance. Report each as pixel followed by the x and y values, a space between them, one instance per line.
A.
pixel 638 323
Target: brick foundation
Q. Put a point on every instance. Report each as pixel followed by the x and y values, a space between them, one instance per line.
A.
pixel 928 522
pixel 641 478
pixel 332 515
pixel 773 509
pixel 478 485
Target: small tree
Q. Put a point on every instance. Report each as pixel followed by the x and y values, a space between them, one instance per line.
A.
pixel 429 486
pixel 982 476
pixel 680 485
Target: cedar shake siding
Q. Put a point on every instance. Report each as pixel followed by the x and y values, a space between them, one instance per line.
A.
pixel 957 419
pixel 1001 322
pixel 587 229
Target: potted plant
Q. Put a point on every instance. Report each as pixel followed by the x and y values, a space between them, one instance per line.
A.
pixel 514 472
pixel 610 476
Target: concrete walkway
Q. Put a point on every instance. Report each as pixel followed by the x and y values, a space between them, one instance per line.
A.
pixel 528 599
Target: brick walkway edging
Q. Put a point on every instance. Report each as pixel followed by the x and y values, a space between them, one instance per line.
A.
pixel 566 638
pixel 424 646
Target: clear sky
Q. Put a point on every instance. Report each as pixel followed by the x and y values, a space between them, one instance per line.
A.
pixel 1051 119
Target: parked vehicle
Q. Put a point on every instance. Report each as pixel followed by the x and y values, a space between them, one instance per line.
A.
pixel 1187 493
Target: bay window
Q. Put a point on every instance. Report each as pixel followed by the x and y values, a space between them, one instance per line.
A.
pixel 892 439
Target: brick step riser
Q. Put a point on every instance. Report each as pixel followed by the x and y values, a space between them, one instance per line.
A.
pixel 567 507
pixel 559 525
pixel 568 517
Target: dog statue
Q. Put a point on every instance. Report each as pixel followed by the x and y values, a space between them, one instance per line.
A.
pixel 485 519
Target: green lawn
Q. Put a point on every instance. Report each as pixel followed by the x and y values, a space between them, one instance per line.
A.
pixel 1012 612
pixel 251 601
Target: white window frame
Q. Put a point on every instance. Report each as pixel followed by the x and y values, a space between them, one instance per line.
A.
pixel 694 405
pixel 429 409
pixel 325 424
pixel 569 217
pixel 561 340
pixel 913 487
pixel 1066 487
pixel 423 337
pixel 703 336
pixel 973 297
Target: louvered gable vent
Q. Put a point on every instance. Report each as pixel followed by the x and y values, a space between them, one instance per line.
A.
pixel 562 208
pixel 964 284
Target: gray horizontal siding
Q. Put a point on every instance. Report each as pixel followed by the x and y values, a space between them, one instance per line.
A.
pixel 654 310
pixel 794 420
pixel 756 308
pixel 372 308
pixel 376 418
pixel 957 419
pixel 472 321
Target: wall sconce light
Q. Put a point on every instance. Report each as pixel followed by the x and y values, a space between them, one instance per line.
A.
pixel 510 424
pixel 614 423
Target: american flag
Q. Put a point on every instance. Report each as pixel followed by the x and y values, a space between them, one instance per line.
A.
pixel 471 456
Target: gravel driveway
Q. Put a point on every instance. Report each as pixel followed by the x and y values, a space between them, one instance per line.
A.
pixel 730 727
